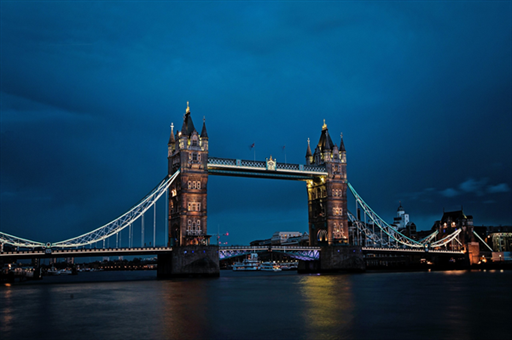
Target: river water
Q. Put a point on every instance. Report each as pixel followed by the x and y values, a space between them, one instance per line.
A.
pixel 261 305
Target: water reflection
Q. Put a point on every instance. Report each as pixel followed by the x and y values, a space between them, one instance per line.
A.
pixel 185 309
pixel 328 307
pixel 7 310
pixel 265 306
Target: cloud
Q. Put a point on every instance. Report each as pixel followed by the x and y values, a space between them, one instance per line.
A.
pixel 450 192
pixel 475 186
pixel 478 187
pixel 502 187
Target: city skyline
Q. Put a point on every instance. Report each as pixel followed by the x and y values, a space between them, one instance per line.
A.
pixel 421 92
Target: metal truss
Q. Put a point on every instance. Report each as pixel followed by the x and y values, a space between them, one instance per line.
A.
pixel 388 234
pixel 446 240
pixel 18 241
pixel 300 253
pixel 122 221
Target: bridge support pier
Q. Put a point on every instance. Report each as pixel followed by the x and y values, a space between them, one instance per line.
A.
pixel 335 259
pixel 189 261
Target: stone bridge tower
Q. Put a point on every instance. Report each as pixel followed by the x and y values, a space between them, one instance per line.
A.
pixel 188 152
pixel 327 195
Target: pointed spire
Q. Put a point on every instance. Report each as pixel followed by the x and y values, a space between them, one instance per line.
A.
pixel 328 141
pixel 171 139
pixel 204 134
pixel 325 142
pixel 188 125
pixel 342 145
pixel 308 152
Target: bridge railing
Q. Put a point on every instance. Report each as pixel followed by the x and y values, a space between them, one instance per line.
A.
pixel 221 161
pixel 254 164
pixel 416 250
pixel 263 165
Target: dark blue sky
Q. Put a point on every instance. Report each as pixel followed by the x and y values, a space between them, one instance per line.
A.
pixel 421 91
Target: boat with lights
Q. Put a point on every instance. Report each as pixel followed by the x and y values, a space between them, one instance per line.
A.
pixel 250 263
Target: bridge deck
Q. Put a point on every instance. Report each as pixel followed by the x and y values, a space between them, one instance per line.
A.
pixel 260 169
pixel 98 252
pixel 92 252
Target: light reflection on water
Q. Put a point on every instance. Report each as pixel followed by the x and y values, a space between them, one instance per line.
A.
pixel 423 305
pixel 328 309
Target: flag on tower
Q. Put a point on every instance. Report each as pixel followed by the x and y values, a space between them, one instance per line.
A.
pixel 251 146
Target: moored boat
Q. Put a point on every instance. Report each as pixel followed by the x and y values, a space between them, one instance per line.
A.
pixel 270 267
pixel 249 263
pixel 53 271
pixel 289 265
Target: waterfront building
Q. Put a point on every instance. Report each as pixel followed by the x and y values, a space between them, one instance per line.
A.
pixel 451 222
pixel 498 238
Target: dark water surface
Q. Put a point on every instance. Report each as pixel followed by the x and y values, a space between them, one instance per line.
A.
pixel 260 305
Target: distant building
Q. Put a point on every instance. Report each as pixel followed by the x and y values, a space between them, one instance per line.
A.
pixel 498 238
pixel 285 238
pixel 281 237
pixel 265 242
pixel 402 223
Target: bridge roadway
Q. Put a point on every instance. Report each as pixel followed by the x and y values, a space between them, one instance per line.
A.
pixel 261 169
pixel 305 253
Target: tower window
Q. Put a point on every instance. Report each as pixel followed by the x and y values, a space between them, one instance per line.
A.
pixel 194 156
pixel 337 210
pixel 194 142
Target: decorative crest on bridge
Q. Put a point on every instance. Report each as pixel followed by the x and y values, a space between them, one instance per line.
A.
pixel 271 163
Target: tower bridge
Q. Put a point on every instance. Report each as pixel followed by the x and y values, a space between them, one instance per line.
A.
pixel 338 239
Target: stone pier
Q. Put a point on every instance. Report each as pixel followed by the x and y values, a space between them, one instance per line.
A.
pixel 335 259
pixel 189 261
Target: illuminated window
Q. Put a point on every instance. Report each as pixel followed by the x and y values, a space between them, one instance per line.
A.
pixel 198 184
pixel 189 185
pixel 198 156
pixel 337 210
